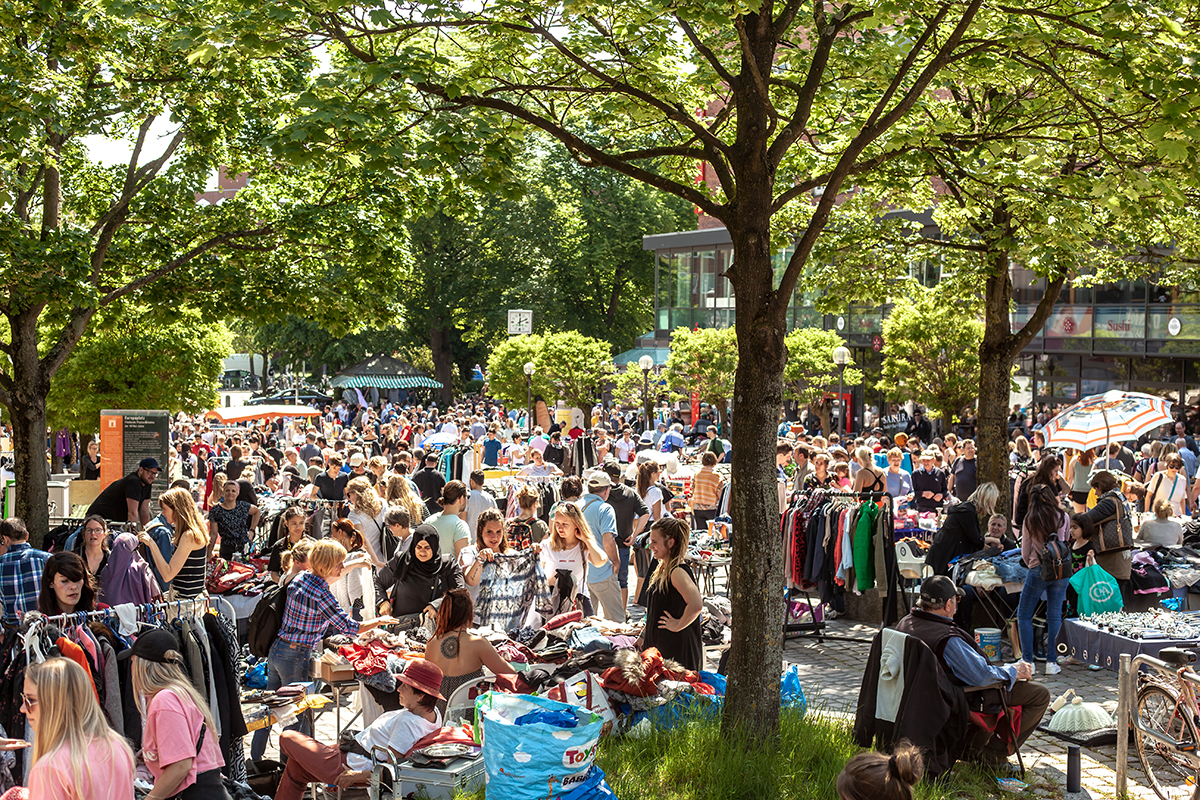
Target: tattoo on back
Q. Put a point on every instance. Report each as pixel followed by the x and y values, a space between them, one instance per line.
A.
pixel 450 647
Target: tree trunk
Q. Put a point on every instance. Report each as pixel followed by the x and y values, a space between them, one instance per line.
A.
pixel 443 361
pixel 756 575
pixel 266 356
pixel 28 408
pixel 991 436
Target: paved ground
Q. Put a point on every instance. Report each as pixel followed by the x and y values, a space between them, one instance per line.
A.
pixel 832 672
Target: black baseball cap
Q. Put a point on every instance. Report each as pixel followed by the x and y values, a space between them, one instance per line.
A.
pixel 153 646
pixel 149 463
pixel 939 588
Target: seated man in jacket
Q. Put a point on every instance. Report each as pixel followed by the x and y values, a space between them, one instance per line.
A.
pixel 932 621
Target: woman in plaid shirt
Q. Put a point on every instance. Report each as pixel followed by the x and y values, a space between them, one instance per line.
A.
pixel 309 611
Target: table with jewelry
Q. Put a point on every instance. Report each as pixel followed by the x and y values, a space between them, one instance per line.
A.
pixel 1100 639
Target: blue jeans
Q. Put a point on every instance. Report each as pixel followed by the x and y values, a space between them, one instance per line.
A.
pixel 1056 595
pixel 286 663
pixel 623 570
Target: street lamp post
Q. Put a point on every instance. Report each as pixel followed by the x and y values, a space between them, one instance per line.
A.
pixel 841 357
pixel 646 362
pixel 529 392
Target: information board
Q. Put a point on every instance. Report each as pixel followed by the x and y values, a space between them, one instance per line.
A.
pixel 128 436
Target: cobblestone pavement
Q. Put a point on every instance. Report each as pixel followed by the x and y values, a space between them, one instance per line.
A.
pixel 831 672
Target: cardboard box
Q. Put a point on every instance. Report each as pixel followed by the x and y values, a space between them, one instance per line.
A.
pixel 333 668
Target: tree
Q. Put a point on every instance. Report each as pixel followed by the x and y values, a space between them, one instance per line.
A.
pixel 703 361
pixel 507 381
pixel 135 359
pixel 577 365
pixel 77 237
pixel 1052 158
pixel 796 101
pixel 810 372
pixel 931 354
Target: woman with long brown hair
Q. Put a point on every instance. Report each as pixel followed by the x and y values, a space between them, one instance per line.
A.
pixel 460 654
pixel 400 492
pixel 186 568
pixel 671 597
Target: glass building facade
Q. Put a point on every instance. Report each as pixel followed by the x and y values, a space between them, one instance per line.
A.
pixel 1131 335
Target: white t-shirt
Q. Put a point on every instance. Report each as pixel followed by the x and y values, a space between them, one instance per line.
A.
pixel 399 730
pixel 572 559
pixel 466 560
pixel 654 495
pixel 624 448
pixel 1160 487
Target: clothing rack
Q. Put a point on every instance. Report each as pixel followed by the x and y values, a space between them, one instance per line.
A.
pixel 893 577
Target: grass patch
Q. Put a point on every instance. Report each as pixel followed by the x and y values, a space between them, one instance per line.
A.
pixel 696 762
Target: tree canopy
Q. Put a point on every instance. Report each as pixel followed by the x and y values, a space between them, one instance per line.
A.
pixel 811 373
pixel 931 354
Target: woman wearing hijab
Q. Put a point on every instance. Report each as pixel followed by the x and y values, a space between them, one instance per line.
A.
pixel 420 576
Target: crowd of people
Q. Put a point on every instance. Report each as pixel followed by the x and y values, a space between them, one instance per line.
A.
pixel 399 542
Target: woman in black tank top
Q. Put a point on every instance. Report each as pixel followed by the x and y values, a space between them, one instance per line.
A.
pixel 187 566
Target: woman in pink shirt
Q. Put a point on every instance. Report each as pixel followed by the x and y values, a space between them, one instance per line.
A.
pixel 179 740
pixel 75 753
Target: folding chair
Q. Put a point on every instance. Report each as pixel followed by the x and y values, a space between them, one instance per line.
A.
pixel 986 724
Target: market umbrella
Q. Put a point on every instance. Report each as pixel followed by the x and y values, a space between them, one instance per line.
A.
pixel 1102 418
pixel 439 439
pixel 248 413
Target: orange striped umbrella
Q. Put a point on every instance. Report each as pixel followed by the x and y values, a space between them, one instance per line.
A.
pixel 1114 416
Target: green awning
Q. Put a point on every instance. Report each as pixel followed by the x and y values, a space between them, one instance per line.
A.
pixel 383 372
pixel 384 382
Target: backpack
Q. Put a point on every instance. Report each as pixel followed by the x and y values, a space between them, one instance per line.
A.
pixel 267 618
pixel 1056 560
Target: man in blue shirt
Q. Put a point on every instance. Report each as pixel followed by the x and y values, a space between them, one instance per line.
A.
pixel 491 448
pixel 932 621
pixel 20 572
pixel 602 581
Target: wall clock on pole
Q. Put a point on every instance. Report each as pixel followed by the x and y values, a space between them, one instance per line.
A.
pixel 520 322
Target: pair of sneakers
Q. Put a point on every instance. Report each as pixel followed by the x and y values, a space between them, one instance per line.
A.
pixel 1052 667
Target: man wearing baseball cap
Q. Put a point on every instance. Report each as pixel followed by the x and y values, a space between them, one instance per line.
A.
pixel 128 500
pixel 932 621
pixel 602 581
pixel 309 761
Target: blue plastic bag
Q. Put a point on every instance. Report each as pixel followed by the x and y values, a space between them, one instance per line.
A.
pixel 256 676
pixel 715 680
pixel 791 693
pixel 592 787
pixel 559 719
pixel 537 761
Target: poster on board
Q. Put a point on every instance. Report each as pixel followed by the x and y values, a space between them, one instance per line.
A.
pixel 128 436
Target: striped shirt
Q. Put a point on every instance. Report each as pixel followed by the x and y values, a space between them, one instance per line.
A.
pixel 310 610
pixel 706 489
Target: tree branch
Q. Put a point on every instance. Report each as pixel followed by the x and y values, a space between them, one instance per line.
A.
pixel 576 145
pixel 806 95
pixel 868 134
pixel 709 56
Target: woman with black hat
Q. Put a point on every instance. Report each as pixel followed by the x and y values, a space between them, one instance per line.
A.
pixel 179 741
pixel 419 576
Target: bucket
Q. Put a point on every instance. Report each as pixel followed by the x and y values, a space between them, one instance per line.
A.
pixel 988 640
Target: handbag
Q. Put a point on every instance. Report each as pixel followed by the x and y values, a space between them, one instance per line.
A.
pixel 1115 531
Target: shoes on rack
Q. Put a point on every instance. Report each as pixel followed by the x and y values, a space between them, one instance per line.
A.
pixel 1052 668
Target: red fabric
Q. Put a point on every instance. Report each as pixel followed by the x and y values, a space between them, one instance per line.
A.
pixel 615 679
pixel 74 652
pixel 563 619
pixel 229 574
pixel 463 734
pixel 368 660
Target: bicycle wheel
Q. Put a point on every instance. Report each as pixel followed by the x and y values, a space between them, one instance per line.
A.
pixel 1170 774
